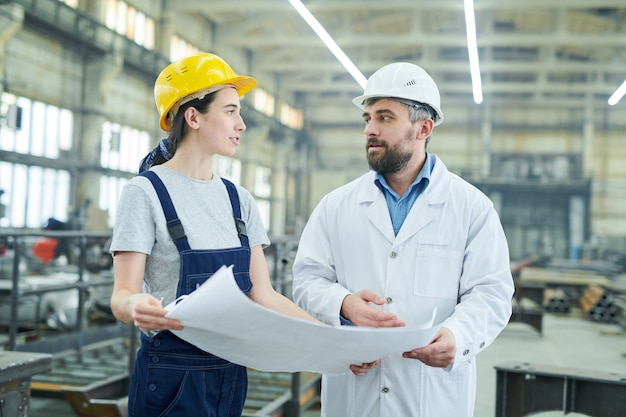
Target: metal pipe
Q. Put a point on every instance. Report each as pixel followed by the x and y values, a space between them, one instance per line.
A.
pixel 14 292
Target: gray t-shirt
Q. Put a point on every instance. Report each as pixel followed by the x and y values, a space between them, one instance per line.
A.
pixel 205 212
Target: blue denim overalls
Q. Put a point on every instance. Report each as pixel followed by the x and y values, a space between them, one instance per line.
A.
pixel 172 377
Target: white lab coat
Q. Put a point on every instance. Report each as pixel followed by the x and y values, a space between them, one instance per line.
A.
pixel 451 255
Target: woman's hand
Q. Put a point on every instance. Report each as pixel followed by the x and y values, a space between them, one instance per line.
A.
pixel 148 314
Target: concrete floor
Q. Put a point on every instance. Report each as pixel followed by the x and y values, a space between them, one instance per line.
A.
pixel 567 341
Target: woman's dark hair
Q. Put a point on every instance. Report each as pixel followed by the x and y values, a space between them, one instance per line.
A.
pixel 179 126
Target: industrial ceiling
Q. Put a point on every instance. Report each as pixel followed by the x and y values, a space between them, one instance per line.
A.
pixel 541 54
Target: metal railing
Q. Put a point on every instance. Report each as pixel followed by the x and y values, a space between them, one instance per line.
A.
pixel 14 238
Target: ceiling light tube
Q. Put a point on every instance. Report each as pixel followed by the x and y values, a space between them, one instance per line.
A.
pixel 472 49
pixel 618 94
pixel 329 42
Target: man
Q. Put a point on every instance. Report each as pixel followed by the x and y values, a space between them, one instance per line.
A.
pixel 404 240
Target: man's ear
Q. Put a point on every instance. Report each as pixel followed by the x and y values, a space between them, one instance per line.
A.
pixel 425 129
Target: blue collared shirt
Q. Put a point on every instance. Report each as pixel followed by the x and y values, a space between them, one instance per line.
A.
pixel 399 207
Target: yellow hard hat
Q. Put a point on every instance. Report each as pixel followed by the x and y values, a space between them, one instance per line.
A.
pixel 192 77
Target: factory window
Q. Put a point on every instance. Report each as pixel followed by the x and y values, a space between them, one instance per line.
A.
pixel 33 194
pixel 110 189
pixel 180 48
pixel 262 183
pixel 263 101
pixel 228 168
pixel 72 3
pixel 130 22
pixel 122 148
pixel 263 192
pixel 35 128
pixel 290 116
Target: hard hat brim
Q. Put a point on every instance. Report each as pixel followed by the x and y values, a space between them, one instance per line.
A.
pixel 242 83
pixel 358 101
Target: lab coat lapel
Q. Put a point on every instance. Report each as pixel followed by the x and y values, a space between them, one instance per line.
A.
pixel 375 207
pixel 428 205
pixel 422 213
pixel 378 214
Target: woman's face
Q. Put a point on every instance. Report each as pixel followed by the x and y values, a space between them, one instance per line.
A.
pixel 222 124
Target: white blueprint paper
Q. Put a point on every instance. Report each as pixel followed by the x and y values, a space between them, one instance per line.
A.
pixel 220 319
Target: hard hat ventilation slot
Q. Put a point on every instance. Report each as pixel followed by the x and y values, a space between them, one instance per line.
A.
pixel 412 82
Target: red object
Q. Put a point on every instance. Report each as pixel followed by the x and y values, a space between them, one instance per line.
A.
pixel 44 249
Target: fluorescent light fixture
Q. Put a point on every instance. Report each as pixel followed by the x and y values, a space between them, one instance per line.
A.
pixel 618 94
pixel 329 42
pixel 472 49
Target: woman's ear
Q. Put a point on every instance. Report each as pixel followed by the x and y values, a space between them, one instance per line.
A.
pixel 191 117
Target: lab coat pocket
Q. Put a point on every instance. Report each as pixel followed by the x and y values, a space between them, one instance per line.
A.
pixel 437 268
pixel 440 386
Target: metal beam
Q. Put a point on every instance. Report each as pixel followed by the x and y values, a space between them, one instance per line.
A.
pixel 523 389
pixel 359 5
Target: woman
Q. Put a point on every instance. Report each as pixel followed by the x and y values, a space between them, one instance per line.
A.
pixel 210 223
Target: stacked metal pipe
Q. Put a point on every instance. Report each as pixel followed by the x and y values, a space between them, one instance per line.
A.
pixel 600 305
pixel 556 300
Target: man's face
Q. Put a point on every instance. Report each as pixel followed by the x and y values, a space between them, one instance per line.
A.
pixel 390 136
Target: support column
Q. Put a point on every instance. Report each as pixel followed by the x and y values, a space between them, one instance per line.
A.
pixel 496 199
pixel 95 7
pixel 11 22
pixel 164 31
pixel 253 137
pixel 576 225
pixel 486 134
pixel 98 73
pixel 280 178
pixel 587 140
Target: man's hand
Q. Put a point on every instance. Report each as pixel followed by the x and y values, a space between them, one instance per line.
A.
pixel 356 308
pixel 439 353
pixel 360 370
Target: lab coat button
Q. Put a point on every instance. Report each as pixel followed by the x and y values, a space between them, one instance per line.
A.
pixel 388 300
pixel 393 255
pixel 465 352
pixel 385 390
pixel 482 344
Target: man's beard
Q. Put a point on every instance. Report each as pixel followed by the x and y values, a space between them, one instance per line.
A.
pixel 389 160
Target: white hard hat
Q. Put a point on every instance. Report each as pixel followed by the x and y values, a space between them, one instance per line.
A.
pixel 405 81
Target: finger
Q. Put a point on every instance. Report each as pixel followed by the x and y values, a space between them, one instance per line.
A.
pixel 419 353
pixel 157 323
pixel 388 323
pixel 376 318
pixel 416 355
pixel 358 370
pixel 372 297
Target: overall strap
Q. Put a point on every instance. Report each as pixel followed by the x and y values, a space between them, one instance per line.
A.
pixel 234 202
pixel 174 226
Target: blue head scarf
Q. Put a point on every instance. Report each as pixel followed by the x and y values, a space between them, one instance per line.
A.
pixel 160 150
